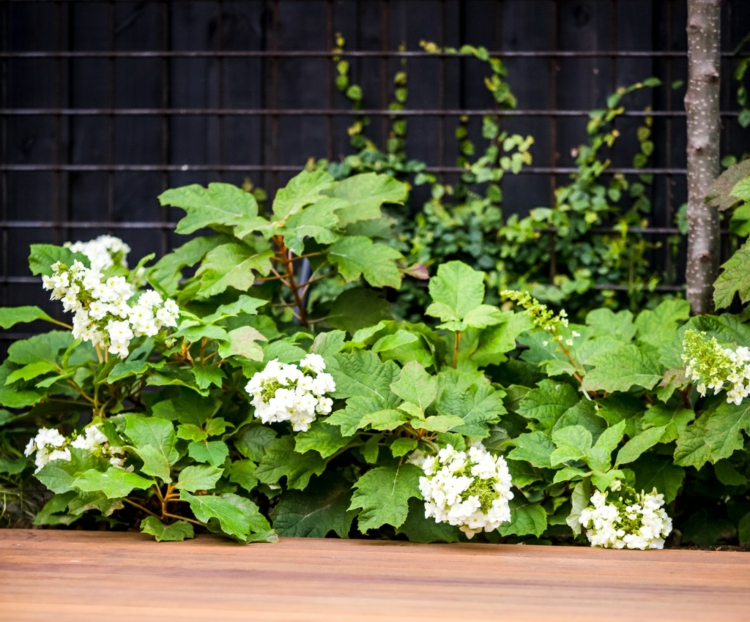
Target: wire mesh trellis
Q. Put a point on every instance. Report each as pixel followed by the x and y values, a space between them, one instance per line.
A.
pixel 105 103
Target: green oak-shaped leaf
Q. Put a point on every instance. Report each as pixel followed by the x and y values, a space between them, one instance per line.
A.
pixel 114 483
pixel 388 419
pixel 230 517
pixel 243 341
pixel 281 460
pixel 607 323
pixel 526 519
pixel 242 472
pixel 219 204
pixel 317 221
pixel 156 433
pixel 253 440
pixel 640 443
pixel 456 290
pixel 304 189
pixel 420 529
pixel 195 478
pixel 244 304
pixel 166 273
pixel 323 438
pixel 176 532
pixel 10 316
pixel 232 265
pixel 330 343
pixel 212 452
pixel 358 308
pixel 660 472
pixel 44 255
pixel 44 347
pixel 573 443
pixel 383 495
pixel 535 448
pixel 357 256
pixel 623 368
pixel 658 327
pixel 364 194
pixel 734 279
pixel 362 373
pixel 415 385
pixel 59 475
pixel 314 513
pixel 547 403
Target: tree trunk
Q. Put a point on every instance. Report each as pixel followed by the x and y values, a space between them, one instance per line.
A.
pixel 704 132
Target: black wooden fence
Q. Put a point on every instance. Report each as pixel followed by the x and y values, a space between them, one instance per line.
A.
pixel 103 104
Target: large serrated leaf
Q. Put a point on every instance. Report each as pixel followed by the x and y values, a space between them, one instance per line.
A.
pixel 357 256
pixel 383 495
pixel 219 204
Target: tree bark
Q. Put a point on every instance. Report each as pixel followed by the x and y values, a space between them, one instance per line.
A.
pixel 703 163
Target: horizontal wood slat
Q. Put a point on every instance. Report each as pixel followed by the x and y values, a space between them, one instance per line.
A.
pixel 81 576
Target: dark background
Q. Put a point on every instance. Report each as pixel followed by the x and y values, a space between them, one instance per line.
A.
pixel 105 104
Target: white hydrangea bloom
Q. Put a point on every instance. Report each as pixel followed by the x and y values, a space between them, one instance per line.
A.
pixel 711 366
pixel 619 518
pixel 103 252
pixel 468 489
pixel 283 392
pixel 103 311
pixel 50 445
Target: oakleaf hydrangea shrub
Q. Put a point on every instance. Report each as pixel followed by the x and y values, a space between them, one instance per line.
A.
pixel 281 396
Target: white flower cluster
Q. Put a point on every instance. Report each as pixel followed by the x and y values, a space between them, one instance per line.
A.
pixel 633 521
pixel 50 445
pixel 714 367
pixel 103 313
pixel 103 252
pixel 283 392
pixel 468 489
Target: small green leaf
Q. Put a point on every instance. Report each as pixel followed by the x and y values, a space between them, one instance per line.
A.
pixel 194 478
pixel 437 423
pixel 30 371
pixel 402 446
pixel 456 290
pixel 644 441
pixel 213 452
pixel 415 385
pixel 526 519
pixel 242 472
pixel 114 483
pixel 535 448
pixel 176 532
pixel 323 438
pixel 281 460
pixel 388 419
pixel 231 518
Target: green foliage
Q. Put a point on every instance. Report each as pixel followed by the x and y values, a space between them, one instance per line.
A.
pixel 183 449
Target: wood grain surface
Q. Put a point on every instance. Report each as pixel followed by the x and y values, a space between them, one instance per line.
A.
pixel 57 576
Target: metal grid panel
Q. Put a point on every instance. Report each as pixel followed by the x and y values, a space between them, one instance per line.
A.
pixel 104 103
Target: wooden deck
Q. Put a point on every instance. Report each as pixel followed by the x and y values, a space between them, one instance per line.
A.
pixel 56 576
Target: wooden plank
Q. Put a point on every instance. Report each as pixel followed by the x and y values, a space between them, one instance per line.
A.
pixel 82 576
